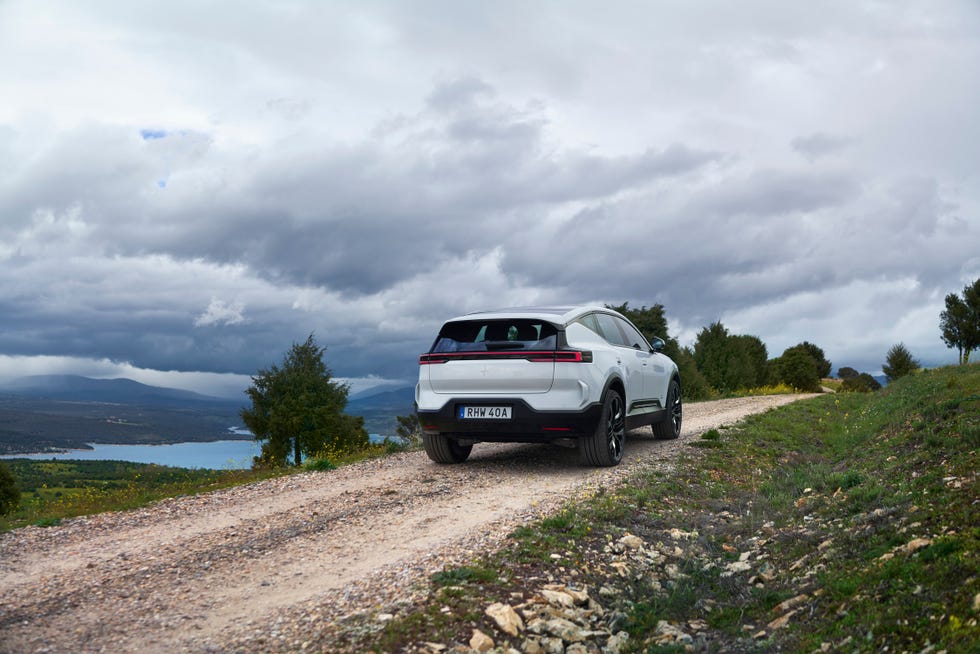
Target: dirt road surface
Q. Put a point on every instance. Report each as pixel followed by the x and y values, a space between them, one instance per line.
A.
pixel 209 572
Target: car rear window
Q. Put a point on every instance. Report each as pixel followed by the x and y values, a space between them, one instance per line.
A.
pixel 484 335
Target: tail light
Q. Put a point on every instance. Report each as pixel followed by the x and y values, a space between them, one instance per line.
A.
pixel 555 356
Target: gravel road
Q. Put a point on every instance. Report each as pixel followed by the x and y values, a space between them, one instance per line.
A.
pixel 211 572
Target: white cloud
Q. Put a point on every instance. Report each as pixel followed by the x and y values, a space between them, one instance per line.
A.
pixel 220 313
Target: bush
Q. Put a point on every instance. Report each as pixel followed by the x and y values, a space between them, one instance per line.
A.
pixel 321 465
pixel 823 365
pixel 899 362
pixel 729 362
pixel 9 492
pixel 862 383
pixel 409 432
pixel 797 369
pixel 694 386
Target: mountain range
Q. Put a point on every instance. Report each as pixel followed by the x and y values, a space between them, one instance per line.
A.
pixel 57 412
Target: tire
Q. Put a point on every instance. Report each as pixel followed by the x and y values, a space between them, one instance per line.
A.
pixel 605 446
pixel 443 449
pixel 670 427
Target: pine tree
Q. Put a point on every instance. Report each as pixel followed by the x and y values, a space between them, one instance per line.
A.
pixel 899 362
pixel 298 409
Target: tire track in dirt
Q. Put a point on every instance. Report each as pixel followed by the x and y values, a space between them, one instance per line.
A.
pixel 192 573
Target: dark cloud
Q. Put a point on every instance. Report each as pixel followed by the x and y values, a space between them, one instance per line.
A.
pixel 248 177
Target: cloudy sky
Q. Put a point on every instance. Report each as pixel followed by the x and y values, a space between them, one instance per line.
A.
pixel 188 188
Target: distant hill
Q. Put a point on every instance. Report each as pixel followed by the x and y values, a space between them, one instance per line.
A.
pixel 75 388
pixel 55 412
pixel 402 398
pixel 379 410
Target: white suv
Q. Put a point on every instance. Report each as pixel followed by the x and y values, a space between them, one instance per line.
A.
pixel 575 376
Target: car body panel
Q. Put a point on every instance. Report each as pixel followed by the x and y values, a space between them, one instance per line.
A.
pixel 491 376
pixel 551 382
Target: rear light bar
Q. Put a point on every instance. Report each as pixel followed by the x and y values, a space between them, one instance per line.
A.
pixel 556 356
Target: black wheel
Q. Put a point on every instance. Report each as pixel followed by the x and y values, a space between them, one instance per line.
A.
pixel 443 449
pixel 605 446
pixel 670 427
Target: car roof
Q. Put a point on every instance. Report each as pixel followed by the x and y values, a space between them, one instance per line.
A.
pixel 562 315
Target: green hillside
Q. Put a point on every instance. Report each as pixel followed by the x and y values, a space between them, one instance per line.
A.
pixel 850 522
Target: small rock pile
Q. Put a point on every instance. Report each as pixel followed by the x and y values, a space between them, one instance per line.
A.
pixel 557 619
pixel 563 618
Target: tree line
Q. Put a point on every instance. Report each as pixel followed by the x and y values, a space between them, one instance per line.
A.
pixel 298 408
pixel 722 363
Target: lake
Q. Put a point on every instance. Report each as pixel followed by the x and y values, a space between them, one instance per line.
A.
pixel 217 455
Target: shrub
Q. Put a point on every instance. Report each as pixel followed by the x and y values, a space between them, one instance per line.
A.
pixel 823 365
pixel 9 492
pixel 797 368
pixel 319 464
pixel 899 362
pixel 862 383
pixel 694 386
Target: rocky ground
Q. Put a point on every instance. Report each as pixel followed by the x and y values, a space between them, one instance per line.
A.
pixel 264 566
pixel 581 610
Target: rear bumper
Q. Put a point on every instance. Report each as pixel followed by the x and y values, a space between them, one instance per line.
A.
pixel 527 425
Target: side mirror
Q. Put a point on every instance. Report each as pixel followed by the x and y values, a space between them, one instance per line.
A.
pixel 657 344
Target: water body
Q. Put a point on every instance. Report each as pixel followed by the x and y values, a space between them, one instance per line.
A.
pixel 216 455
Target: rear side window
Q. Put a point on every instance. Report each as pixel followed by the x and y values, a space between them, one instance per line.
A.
pixel 633 338
pixel 486 335
pixel 609 329
pixel 588 321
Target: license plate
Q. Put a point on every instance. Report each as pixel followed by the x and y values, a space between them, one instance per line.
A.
pixel 483 412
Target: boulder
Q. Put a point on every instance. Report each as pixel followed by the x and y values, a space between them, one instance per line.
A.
pixel 506 618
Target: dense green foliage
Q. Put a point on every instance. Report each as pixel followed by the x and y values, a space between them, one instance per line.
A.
pixel 722 363
pixel 730 362
pixel 297 409
pixel 959 323
pixel 899 363
pixel 797 368
pixel 857 508
pixel 860 383
pixel 9 492
pixel 823 366
pixel 756 372
pixel 694 385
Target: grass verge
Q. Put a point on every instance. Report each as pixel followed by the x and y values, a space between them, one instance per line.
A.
pixel 844 523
